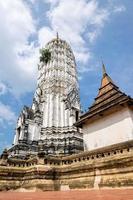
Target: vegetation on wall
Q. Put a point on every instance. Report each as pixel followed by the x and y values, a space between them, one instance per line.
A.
pixel 45 55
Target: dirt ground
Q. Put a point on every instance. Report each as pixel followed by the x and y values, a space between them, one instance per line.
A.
pixel 116 194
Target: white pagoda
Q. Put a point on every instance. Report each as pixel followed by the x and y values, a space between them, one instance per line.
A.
pixel 47 127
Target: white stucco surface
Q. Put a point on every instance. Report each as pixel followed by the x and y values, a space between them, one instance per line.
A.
pixel 111 129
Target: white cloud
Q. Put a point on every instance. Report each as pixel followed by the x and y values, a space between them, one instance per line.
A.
pixel 120 8
pixel 72 22
pixel 17 55
pixel 44 35
pixel 6 114
pixel 3 88
pixel 78 22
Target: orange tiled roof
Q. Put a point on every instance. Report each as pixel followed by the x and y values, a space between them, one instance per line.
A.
pixel 109 95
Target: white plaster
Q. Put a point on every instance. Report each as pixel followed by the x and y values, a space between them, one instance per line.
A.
pixel 97 179
pixel 21 134
pixel 111 129
pixel 15 141
pixel 64 187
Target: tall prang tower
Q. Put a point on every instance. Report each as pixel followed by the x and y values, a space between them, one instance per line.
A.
pixel 48 126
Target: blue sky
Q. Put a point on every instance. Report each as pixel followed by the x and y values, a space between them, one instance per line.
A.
pixel 96 30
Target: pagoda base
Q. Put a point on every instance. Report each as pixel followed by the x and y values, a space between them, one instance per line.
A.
pixel 55 142
pixel 109 167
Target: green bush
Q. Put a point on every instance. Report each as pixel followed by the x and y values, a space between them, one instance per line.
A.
pixel 45 55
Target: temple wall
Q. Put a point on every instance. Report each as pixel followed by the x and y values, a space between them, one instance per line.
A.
pixel 105 168
pixel 131 114
pixel 111 129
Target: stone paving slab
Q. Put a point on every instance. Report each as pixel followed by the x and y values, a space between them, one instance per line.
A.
pixel 113 194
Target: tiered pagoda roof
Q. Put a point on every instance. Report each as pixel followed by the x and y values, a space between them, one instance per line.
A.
pixel 108 100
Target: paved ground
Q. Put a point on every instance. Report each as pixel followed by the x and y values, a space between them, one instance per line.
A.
pixel 125 194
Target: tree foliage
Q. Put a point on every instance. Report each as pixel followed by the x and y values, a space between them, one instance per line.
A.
pixel 45 55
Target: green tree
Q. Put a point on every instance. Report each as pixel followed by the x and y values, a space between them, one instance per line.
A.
pixel 45 55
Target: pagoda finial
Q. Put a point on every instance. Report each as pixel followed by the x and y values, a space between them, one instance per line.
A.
pixel 57 35
pixel 103 68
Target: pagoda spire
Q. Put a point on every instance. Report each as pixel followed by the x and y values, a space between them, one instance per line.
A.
pixel 106 78
pixel 103 69
pixel 57 35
